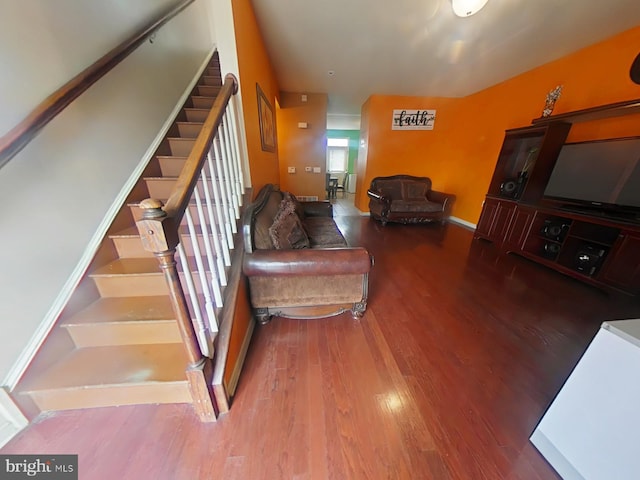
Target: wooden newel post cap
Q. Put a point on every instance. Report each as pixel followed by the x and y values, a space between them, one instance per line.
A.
pixel 232 77
pixel 152 208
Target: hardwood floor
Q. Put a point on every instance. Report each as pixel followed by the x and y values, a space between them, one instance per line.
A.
pixel 446 376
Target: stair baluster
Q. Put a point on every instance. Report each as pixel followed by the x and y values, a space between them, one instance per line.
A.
pixel 160 236
pixel 209 185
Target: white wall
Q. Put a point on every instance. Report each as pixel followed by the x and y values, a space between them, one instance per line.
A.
pixel 59 192
pixel 228 51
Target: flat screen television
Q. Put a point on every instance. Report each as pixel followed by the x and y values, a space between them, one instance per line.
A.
pixel 601 176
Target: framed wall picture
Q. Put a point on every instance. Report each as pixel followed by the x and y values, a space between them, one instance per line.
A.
pixel 267 122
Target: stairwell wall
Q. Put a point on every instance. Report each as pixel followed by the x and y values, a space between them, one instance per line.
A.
pixel 58 193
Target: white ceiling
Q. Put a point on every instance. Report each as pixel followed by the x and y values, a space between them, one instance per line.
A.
pixel 419 47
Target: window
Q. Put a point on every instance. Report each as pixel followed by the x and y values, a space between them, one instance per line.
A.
pixel 337 154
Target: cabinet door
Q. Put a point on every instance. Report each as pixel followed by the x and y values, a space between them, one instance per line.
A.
pixel 519 229
pixel 487 217
pixel 500 227
pixel 622 269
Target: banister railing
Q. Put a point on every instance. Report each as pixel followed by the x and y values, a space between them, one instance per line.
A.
pixel 192 238
pixel 19 136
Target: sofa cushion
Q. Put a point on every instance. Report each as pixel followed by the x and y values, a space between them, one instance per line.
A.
pixel 298 207
pixel 415 206
pixel 390 189
pixel 287 231
pixel 323 233
pixel 263 221
pixel 415 190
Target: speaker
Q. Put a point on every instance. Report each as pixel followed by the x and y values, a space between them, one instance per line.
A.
pixel 588 257
pixel 509 187
pixel 550 250
pixel 554 230
pixel 513 187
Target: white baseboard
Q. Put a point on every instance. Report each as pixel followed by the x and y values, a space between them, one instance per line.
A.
pixel 462 223
pixel 27 354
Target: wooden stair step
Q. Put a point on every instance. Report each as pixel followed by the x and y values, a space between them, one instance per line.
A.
pixel 181 147
pixel 135 277
pixel 130 277
pixel 189 129
pixel 171 166
pixel 200 101
pixel 213 80
pixel 129 245
pixel 213 71
pixel 137 212
pixel 124 321
pixel 162 187
pixel 208 90
pixel 196 114
pixel 112 376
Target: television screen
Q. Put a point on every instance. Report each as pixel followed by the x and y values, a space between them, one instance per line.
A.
pixel 604 172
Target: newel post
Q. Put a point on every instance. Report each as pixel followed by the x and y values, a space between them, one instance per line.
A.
pixel 159 235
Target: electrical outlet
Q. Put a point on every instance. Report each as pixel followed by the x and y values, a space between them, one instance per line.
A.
pixel 291 169
pixel 316 169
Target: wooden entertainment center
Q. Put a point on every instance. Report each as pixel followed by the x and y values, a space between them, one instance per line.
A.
pixel 595 247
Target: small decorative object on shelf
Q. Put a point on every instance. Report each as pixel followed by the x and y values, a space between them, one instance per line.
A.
pixel 552 97
pixel 531 159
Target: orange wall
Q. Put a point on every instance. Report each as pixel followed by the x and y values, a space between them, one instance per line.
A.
pixel 241 323
pixel 416 152
pixel 255 67
pixel 460 153
pixel 300 148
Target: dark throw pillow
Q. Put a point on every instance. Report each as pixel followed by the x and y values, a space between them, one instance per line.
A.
pixel 287 231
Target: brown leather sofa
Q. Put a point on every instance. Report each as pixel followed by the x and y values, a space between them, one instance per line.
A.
pixel 297 262
pixel 407 199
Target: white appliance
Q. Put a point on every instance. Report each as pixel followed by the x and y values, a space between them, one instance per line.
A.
pixel 591 431
pixel 351 183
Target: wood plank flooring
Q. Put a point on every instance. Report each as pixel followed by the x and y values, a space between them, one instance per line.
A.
pixel 446 376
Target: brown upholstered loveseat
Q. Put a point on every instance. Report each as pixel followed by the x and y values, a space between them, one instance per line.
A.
pixel 298 263
pixel 407 199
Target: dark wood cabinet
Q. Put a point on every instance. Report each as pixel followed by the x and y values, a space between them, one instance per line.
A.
pixel 598 249
pixel 526 160
pixel 487 216
pixel 495 219
pixel 623 268
pixel 521 222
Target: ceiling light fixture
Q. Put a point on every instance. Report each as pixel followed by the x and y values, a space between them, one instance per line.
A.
pixel 466 8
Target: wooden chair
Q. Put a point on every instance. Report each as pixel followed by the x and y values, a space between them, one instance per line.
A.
pixel 331 185
pixel 342 185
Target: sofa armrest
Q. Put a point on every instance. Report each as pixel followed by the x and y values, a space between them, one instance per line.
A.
pixel 317 209
pixel 446 199
pixel 330 261
pixel 377 196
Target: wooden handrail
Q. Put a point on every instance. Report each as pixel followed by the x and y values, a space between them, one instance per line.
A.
pixel 158 230
pixel 19 136
pixel 183 188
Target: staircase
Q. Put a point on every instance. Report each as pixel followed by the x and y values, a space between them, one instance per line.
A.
pixel 117 342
